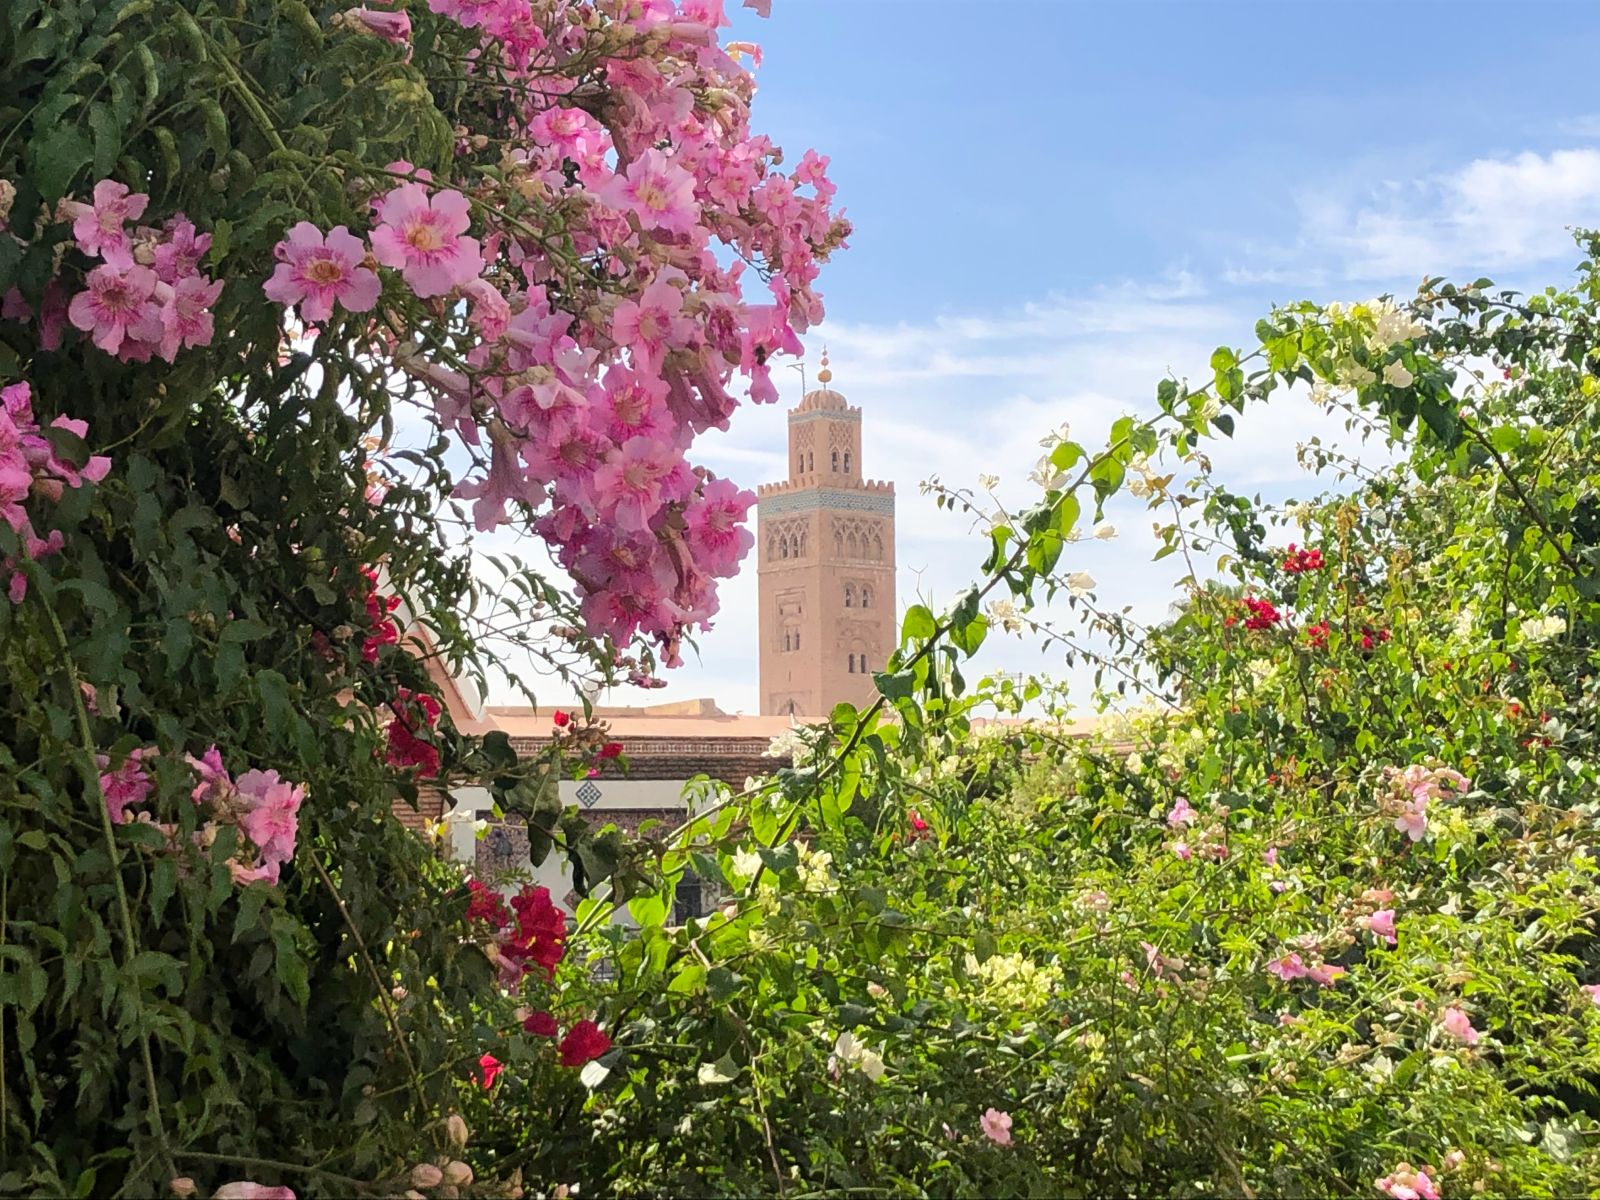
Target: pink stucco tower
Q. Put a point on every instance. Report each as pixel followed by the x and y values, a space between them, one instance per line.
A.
pixel 825 565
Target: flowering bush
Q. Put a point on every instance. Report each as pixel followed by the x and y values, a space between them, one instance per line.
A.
pixel 1316 918
pixel 247 252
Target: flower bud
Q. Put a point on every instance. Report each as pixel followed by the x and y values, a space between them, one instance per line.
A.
pixel 456 1128
pixel 458 1174
pixel 426 1175
pixel 182 1186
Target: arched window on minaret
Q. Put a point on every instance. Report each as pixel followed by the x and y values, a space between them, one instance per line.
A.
pixel 852 664
pixel 849 595
pixel 835 460
pixel 784 543
pixel 811 461
pixel 799 462
pixel 791 708
pixel 877 548
pixel 866 596
pixel 847 462
pixel 851 547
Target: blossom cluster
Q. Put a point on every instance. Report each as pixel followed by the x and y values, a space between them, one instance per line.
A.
pixel 1298 562
pixel 411 710
pixel 30 467
pixel 531 932
pixel 579 371
pixel 1405 795
pixel 148 297
pixel 259 804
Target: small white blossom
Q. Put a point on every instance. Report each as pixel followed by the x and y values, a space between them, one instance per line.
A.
pixel 1352 374
pixel 1051 440
pixel 988 482
pixel 1543 629
pixel 746 864
pixel 1105 531
pixel 1004 613
pixel 1080 583
pixel 1046 476
pixel 1396 375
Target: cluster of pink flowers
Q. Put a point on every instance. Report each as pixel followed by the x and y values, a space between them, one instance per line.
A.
pixel 1458 1025
pixel 1209 835
pixel 1408 1183
pixel 148 297
pixel 585 367
pixel 1292 966
pixel 263 807
pixel 29 466
pixel 1407 793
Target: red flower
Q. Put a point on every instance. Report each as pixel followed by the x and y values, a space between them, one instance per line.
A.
pixel 1317 635
pixel 541 936
pixel 560 718
pixel 1299 561
pixel 486 905
pixel 584 1043
pixel 1262 614
pixel 611 750
pixel 541 1024
pixel 491 1068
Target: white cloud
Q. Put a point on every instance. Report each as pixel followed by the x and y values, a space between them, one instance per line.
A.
pixel 1491 215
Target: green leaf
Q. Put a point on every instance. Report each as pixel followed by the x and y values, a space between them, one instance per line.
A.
pixel 56 158
pixel 918 624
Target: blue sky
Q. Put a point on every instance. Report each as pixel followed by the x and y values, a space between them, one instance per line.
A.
pixel 1056 203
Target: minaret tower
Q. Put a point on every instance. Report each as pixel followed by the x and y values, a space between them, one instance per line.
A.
pixel 825 555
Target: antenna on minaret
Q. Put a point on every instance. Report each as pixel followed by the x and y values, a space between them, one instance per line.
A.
pixel 801 367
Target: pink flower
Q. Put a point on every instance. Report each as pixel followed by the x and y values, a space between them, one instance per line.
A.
pixel 1459 1026
pixel 118 305
pixel 245 1190
pixel 657 191
pixel 215 782
pixel 1181 849
pixel 314 271
pixel 390 26
pixel 1325 976
pixel 1270 856
pixel 1592 990
pixel 126 786
pixel 186 314
pixel 98 228
pixel 1290 966
pixel 178 254
pixel 635 482
pixel 1182 814
pixel 1381 923
pixel 271 821
pixel 651 325
pixel 1404 1183
pixel 1413 818
pixel 714 527
pixel 996 1126
pixel 423 237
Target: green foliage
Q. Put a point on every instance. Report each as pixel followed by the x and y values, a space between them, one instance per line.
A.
pixel 1012 915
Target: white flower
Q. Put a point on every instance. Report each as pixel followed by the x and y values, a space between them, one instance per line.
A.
pixel 1134 763
pixel 746 864
pixel 1322 393
pixel 988 482
pixel 1352 374
pixel 1396 375
pixel 1209 408
pixel 1004 613
pixel 1391 326
pixel 871 1065
pixel 1543 629
pixel 816 871
pixel 1105 531
pixel 1050 440
pixel 1080 583
pixel 1046 476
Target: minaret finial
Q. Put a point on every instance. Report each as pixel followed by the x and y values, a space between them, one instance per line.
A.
pixel 825 376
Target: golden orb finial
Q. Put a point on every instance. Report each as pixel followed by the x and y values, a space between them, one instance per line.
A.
pixel 825 376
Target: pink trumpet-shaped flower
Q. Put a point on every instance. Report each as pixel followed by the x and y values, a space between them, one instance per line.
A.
pixel 1458 1025
pixel 315 270
pixel 1381 924
pixel 423 236
pixel 118 305
pixel 996 1126
pixel 98 228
